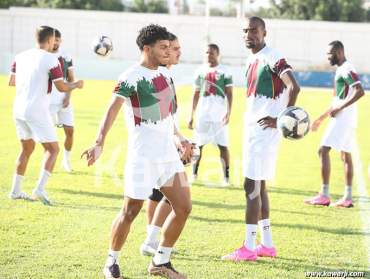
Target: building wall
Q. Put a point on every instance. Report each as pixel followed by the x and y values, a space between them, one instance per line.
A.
pixel 302 42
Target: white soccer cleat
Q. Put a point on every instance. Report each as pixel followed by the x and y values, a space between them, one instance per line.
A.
pixel 193 178
pixel 225 183
pixel 149 249
pixel 41 196
pixel 20 196
pixel 66 165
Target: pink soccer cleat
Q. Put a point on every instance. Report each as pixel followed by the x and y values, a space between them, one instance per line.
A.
pixel 343 203
pixel 318 200
pixel 263 251
pixel 241 254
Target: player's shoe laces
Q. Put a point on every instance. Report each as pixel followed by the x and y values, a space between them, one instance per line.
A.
pixel 112 271
pixel 318 200
pixel 19 196
pixel 149 249
pixel 165 270
pixel 66 165
pixel 263 251
pixel 343 203
pixel 41 196
pixel 241 254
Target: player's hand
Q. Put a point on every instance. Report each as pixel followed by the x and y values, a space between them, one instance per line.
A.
pixel 92 154
pixel 190 124
pixel 226 119
pixel 267 122
pixel 187 151
pixel 80 84
pixel 334 112
pixel 315 125
pixel 66 100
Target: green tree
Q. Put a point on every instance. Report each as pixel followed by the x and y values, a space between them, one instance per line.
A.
pixel 108 5
pixel 150 6
pixel 330 10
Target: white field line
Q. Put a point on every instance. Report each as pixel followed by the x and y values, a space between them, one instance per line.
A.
pixel 363 201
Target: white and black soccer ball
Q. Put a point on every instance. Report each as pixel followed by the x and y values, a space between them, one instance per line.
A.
pixel 293 123
pixel 102 46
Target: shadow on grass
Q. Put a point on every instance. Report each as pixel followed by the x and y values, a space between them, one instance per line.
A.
pixel 338 230
pixel 85 207
pixel 91 194
pixel 220 205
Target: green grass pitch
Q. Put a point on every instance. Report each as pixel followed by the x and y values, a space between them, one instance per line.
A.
pixel 70 239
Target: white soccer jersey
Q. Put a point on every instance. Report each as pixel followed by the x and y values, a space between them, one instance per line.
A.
pixel 65 61
pixel 35 69
pixel 212 82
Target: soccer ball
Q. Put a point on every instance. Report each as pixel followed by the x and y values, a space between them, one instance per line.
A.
pixel 102 46
pixel 293 123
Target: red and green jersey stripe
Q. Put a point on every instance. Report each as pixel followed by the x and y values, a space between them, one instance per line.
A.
pixel 342 84
pixel 213 83
pixel 264 81
pixel 151 101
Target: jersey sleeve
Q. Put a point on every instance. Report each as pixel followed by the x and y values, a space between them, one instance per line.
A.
pixel 13 68
pixel 350 76
pixel 197 80
pixel 278 64
pixel 124 87
pixel 55 71
pixel 69 61
pixel 228 78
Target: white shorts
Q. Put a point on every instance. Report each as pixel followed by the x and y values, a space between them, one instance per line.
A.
pixel 39 132
pixel 211 132
pixel 260 149
pixel 141 176
pixel 339 137
pixel 61 116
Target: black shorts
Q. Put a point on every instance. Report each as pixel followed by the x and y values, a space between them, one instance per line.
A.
pixel 156 195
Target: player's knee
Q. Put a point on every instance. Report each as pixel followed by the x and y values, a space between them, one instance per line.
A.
pixel 129 214
pixel 323 150
pixel 27 151
pixel 183 210
pixel 69 132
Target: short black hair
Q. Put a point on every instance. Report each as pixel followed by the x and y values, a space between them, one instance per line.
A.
pixel 337 45
pixel 215 47
pixel 57 34
pixel 43 33
pixel 172 37
pixel 259 20
pixel 150 34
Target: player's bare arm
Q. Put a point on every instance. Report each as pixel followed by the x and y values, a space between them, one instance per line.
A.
pixel 70 78
pixel 194 107
pixel 229 96
pixel 358 92
pixel 11 81
pixel 67 87
pixel 93 153
pixel 293 90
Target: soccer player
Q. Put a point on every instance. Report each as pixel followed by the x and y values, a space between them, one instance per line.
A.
pixel 152 160
pixel 32 74
pixel 158 207
pixel 340 134
pixel 271 87
pixel 213 85
pixel 60 107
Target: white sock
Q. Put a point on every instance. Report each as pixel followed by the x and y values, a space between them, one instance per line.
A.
pixel 325 190
pixel 43 178
pixel 265 229
pixel 66 155
pixel 17 183
pixel 112 257
pixel 250 236
pixel 152 233
pixel 162 255
pixel 348 192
